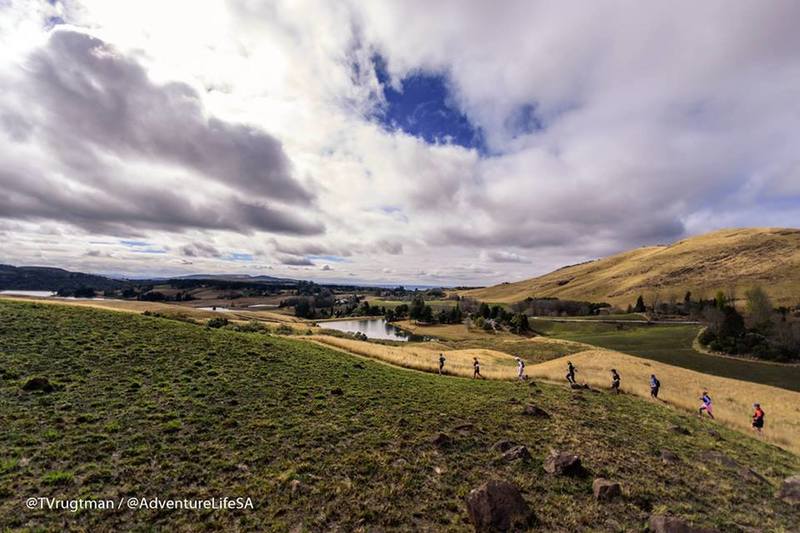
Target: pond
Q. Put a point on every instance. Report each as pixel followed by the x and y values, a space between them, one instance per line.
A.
pixel 373 328
pixel 36 294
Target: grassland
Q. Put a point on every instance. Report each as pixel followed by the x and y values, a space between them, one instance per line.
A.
pixel 682 388
pixel 673 345
pixel 739 258
pixel 324 441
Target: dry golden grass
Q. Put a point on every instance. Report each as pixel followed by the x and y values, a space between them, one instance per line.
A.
pixel 733 399
pixel 494 365
pixel 448 331
pixel 173 310
pixel 739 258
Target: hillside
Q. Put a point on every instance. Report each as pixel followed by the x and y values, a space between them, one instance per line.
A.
pixel 720 260
pixel 322 441
pixel 52 279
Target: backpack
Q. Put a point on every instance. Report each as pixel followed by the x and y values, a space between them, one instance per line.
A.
pixel 657 383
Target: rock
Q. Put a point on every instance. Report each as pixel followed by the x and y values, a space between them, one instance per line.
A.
pixel 441 440
pixel 535 411
pixel 402 422
pixel 605 490
pixel 790 489
pixel 668 457
pixel 563 464
pixel 673 524
pixel 498 506
pixel 713 456
pixel 40 384
pixel 680 430
pixel 337 391
pixel 517 453
pixel 503 445
pixel 715 434
pixel 579 386
pixel 464 428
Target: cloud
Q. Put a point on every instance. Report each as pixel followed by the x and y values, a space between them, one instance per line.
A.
pixel 108 134
pixel 295 261
pixel 503 257
pixel 326 268
pixel 200 249
pixel 614 126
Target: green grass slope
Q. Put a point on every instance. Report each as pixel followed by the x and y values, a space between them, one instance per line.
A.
pixel 671 344
pixel 147 407
pixel 703 264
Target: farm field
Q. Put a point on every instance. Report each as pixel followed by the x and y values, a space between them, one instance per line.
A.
pixel 322 440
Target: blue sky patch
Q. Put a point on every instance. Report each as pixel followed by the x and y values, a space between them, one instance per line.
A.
pixel 134 244
pixel 425 108
pixel 331 258
pixel 236 256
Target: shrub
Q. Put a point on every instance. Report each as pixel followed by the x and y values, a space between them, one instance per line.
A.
pixel 283 329
pixel 217 322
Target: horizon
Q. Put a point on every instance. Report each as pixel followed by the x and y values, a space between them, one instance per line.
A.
pixel 358 143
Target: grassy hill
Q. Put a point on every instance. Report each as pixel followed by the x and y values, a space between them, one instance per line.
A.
pixel 320 440
pixel 720 260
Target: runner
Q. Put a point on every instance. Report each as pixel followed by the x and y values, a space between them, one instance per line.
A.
pixel 441 363
pixel 476 366
pixel 654 386
pixel 615 380
pixel 571 372
pixel 520 369
pixel 758 418
pixel 707 407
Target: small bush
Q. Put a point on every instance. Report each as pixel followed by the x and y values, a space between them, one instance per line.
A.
pixel 218 322
pixel 283 329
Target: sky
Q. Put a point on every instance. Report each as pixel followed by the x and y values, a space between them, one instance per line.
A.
pixel 430 143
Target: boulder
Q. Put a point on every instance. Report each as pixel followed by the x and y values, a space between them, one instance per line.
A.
pixel 563 464
pixel 441 440
pixel 790 489
pixel 498 506
pixel 503 445
pixel 517 453
pixel 605 490
pixel 535 411
pixel 673 524
pixel 668 457
pixel 680 430
pixel 38 384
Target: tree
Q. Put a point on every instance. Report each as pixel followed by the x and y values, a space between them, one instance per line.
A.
pixel 519 323
pixel 484 310
pixel 639 307
pixel 720 300
pixel 416 308
pixel 759 309
pixel 303 309
pixel 427 314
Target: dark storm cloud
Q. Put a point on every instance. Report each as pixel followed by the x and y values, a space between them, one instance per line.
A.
pixel 97 116
pixel 200 249
pixel 103 99
pixel 295 261
pixel 134 207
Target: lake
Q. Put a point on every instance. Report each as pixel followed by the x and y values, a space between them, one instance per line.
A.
pixel 374 328
pixel 37 294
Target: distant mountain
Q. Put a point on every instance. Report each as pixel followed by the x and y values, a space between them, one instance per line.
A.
pixel 238 277
pixel 725 259
pixel 35 278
